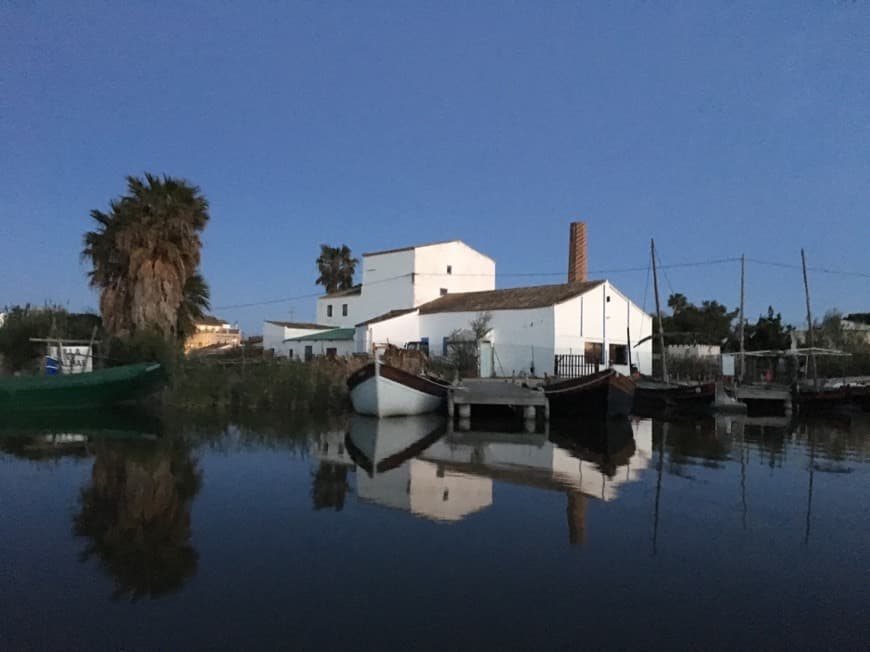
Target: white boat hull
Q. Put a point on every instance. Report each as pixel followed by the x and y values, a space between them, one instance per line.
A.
pixel 381 397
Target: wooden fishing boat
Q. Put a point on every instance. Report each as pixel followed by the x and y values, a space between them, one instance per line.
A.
pixel 381 390
pixel 823 399
pixel 80 391
pixel 654 397
pixel 607 393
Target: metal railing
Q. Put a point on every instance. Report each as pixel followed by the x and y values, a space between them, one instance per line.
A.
pixel 567 365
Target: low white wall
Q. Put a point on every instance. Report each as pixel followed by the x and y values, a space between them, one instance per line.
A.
pixel 397 331
pixel 521 339
pixel 319 347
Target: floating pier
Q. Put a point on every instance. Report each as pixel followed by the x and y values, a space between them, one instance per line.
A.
pixel 488 391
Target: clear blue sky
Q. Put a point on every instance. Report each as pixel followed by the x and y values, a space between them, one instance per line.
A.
pixel 718 128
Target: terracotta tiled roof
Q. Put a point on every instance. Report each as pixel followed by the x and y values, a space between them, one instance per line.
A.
pixel 537 296
pixel 386 316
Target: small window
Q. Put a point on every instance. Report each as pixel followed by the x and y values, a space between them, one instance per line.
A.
pixel 290 354
pixel 344 310
pixel 331 352
pixel 329 310
pixel 450 269
pixel 443 291
pixel 309 352
pixel 618 354
pixel 592 352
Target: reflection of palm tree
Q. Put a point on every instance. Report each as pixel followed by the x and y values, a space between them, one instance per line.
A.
pixel 136 514
pixel 329 486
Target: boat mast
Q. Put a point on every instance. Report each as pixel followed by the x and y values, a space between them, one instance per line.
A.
pixel 810 335
pixel 742 323
pixel 652 249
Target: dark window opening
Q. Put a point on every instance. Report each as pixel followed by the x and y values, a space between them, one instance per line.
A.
pixel 618 354
pixel 443 291
pixel 309 352
pixel 331 352
pixel 592 352
pixel 450 269
pixel 344 310
pixel 329 310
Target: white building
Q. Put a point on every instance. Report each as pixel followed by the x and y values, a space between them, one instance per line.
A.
pixel 428 292
pixel 530 326
pixel 275 334
pixel 398 279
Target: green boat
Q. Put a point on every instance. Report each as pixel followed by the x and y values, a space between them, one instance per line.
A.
pixel 80 391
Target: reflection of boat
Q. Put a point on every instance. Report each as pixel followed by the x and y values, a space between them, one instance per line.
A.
pixel 381 390
pixel 654 397
pixel 608 443
pixel 607 393
pixel 385 449
pixel 79 391
pixel 39 435
pixel 378 445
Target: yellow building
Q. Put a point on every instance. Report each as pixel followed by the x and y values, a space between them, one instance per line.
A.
pixel 213 333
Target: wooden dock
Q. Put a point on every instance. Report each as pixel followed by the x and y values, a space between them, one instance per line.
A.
pixel 765 393
pixel 490 391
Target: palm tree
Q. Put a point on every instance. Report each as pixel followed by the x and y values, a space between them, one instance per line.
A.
pixel 194 304
pixel 336 267
pixel 144 251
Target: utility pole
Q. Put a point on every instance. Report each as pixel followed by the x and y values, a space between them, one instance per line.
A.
pixel 652 248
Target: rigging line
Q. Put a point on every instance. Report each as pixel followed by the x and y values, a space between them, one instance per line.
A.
pixel 301 296
pixel 822 270
pixel 661 267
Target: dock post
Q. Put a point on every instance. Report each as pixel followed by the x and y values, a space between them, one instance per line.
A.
pixel 547 410
pixel 450 406
pixel 465 411
pixel 463 424
pixel 529 413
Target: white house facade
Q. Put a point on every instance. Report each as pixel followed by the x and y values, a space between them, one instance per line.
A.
pixel 276 333
pixel 398 279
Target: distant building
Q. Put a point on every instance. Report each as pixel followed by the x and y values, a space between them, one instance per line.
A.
pixel 694 350
pixel 213 333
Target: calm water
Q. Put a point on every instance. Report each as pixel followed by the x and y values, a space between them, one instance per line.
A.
pixel 122 534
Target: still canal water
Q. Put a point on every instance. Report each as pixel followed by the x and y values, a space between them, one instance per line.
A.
pixel 123 534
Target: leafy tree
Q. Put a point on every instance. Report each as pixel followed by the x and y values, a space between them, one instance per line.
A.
pixel 18 353
pixel 336 267
pixel 143 253
pixel 709 323
pixel 768 333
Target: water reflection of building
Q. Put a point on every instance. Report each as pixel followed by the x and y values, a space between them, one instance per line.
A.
pixel 536 461
pixel 409 464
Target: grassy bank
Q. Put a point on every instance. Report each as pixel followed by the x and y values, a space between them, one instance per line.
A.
pixel 261 384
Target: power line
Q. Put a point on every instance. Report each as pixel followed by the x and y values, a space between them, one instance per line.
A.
pixel 821 270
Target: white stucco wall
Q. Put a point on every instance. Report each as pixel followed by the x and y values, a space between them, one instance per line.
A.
pixel 590 318
pixel 397 331
pixel 470 271
pixel 354 305
pixel 275 334
pixel 342 347
pixel 519 337
pixel 387 284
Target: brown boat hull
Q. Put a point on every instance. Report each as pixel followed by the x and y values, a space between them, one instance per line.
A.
pixel 603 394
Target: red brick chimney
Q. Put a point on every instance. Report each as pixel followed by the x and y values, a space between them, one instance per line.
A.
pixel 577 253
